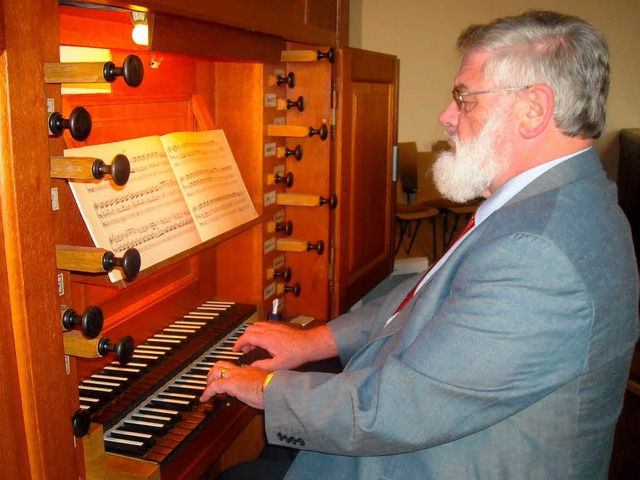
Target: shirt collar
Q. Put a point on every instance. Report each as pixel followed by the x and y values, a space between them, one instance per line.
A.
pixel 514 185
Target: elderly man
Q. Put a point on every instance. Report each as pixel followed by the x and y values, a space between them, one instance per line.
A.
pixel 509 358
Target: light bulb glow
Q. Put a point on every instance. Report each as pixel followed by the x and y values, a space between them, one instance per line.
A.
pixel 140 34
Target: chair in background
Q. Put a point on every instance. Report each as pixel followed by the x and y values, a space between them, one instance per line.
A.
pixel 411 214
pixel 429 196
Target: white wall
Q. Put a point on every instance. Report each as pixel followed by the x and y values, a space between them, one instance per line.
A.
pixel 423 33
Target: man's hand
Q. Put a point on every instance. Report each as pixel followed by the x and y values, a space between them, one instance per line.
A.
pixel 288 346
pixel 243 383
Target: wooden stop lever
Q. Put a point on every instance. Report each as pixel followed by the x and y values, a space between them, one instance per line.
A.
pixel 87 168
pixel 297 131
pixel 296 245
pixel 97 260
pixel 306 200
pixel 307 55
pixel 76 345
pixel 132 71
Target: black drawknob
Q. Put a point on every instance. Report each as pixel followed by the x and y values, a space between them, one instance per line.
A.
pixel 333 201
pixel 79 124
pixel 287 179
pixel 91 321
pixel 319 247
pixel 329 55
pixel 120 169
pixel 123 349
pixel 289 80
pixel 322 132
pixel 287 227
pixel 295 289
pixel 299 104
pixel 132 71
pixel 297 152
pixel 81 421
pixel 284 273
pixel 129 262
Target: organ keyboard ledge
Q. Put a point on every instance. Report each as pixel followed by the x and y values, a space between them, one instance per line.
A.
pixel 148 410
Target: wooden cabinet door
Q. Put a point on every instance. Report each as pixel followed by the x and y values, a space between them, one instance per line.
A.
pixel 366 132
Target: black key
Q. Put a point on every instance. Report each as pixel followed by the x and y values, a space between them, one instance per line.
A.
pixel 145 438
pixel 153 428
pixel 121 445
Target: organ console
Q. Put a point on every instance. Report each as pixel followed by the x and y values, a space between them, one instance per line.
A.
pixel 113 393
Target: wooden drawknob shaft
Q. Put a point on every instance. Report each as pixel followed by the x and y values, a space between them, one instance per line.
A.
pixel 97 260
pixel 132 71
pixel 307 55
pixel 87 168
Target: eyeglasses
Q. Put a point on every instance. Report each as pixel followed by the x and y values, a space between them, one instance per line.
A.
pixel 458 95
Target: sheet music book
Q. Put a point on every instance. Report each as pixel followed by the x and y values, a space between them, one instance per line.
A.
pixel 184 188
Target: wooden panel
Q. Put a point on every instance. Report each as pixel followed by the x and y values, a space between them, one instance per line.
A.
pixel 312 175
pixel 38 415
pixel 367 116
pixel 287 19
pixel 191 37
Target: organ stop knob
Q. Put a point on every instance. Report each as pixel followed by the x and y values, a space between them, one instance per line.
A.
pixel 123 349
pixel 78 124
pixel 91 320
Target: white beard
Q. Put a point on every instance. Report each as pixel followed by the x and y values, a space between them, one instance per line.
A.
pixel 468 172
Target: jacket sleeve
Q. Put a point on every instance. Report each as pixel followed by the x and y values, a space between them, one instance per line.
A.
pixel 514 327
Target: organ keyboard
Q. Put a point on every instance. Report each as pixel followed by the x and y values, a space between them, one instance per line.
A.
pixel 149 408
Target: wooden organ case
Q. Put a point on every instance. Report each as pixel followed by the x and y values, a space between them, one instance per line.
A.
pixel 311 124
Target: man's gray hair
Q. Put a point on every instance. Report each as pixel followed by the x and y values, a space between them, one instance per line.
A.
pixel 564 52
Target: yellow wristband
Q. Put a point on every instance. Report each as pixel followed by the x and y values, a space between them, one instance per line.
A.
pixel 266 380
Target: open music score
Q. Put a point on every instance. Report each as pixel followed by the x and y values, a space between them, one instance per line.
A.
pixel 184 188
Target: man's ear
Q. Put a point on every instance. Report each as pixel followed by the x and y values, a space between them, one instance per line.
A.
pixel 537 111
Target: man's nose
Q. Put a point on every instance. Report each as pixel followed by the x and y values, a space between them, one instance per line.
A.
pixel 449 115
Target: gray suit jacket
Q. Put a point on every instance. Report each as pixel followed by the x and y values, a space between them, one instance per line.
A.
pixel 510 363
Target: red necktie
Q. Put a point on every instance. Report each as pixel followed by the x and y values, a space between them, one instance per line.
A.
pixel 412 292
